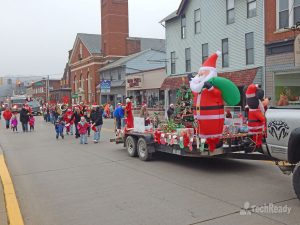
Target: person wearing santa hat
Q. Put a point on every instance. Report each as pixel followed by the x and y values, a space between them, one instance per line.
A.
pixel 208 103
pixel 69 123
pixel 129 113
pixel 256 118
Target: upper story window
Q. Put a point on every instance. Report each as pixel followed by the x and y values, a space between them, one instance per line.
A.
pixel 225 53
pixel 249 39
pixel 197 17
pixel 251 8
pixel 283 13
pixel 230 11
pixel 297 11
pixel 119 74
pixel 183 26
pixel 204 52
pixel 188 59
pixel 173 63
pixel 80 51
pixel 288 13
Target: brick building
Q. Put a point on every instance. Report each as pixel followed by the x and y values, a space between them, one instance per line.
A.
pixel 40 89
pixel 91 52
pixel 282 19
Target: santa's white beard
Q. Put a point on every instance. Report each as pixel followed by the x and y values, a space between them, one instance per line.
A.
pixel 196 84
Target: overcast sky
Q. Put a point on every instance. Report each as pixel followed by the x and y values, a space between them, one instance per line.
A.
pixel 35 35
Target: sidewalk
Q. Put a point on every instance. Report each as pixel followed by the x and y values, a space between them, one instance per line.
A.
pixel 3 215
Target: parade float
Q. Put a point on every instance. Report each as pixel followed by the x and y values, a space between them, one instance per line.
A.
pixel 206 122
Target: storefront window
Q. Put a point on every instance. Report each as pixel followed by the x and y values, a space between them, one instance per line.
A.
pixel 287 90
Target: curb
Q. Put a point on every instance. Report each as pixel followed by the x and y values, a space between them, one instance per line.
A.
pixel 14 215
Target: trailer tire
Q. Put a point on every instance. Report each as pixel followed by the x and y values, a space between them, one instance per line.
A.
pixel 131 146
pixel 296 180
pixel 143 150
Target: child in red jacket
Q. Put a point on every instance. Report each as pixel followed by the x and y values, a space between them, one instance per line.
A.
pixel 82 130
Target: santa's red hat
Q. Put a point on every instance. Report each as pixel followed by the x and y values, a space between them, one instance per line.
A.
pixel 251 91
pixel 211 62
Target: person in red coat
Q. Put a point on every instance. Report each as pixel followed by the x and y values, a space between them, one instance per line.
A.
pixel 7 114
pixel 69 122
pixel 208 103
pixel 129 113
pixel 256 118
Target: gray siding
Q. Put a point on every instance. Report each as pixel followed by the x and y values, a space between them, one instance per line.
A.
pixel 147 61
pixel 213 30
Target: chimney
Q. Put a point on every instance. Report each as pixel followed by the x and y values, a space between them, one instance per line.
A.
pixel 114 27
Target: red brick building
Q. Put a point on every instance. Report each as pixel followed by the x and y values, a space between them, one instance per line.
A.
pixel 91 52
pixel 282 20
pixel 40 89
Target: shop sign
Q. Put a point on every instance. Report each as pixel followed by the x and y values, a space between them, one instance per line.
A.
pixel 105 86
pixel 297 50
pixel 134 82
pixel 75 96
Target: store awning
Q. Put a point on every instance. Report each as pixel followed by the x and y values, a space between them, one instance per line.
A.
pixel 242 77
pixel 174 82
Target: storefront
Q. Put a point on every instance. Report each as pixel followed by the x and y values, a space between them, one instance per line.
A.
pixel 287 88
pixel 145 88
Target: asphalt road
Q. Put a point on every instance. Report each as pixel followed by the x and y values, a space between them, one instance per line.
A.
pixel 60 182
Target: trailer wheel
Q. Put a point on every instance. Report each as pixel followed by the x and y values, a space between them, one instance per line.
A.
pixel 131 146
pixel 143 150
pixel 296 180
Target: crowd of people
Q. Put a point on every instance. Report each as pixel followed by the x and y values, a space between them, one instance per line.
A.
pixel 78 120
pixel 26 119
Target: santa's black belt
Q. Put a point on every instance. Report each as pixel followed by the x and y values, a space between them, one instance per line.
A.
pixel 254 121
pixel 214 107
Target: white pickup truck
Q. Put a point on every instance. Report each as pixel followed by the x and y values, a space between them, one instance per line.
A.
pixel 283 140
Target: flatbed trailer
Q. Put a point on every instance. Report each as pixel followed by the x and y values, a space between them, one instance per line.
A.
pixel 144 146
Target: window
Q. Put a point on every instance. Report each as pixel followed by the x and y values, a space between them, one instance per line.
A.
pixel 249 39
pixel 287 90
pixel 251 8
pixel 225 56
pixel 81 81
pixel 173 63
pixel 80 51
pixel 283 13
pixel 197 17
pixel 188 60
pixel 183 27
pixel 297 11
pixel 119 74
pixel 204 52
pixel 230 11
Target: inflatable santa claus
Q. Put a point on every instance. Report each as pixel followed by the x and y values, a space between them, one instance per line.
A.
pixel 209 93
pixel 256 118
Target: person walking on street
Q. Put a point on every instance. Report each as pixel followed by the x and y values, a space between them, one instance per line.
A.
pixel 7 116
pixel 87 116
pixel 14 123
pixel 76 118
pixel 118 115
pixel 97 122
pixel 24 118
pixel 111 109
pixel 83 129
pixel 31 122
pixel 59 125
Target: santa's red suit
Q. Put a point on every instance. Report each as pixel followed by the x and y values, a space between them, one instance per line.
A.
pixel 256 118
pixel 67 118
pixel 129 114
pixel 208 103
